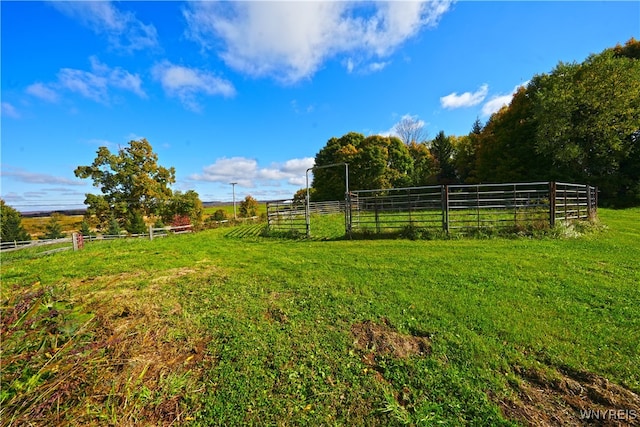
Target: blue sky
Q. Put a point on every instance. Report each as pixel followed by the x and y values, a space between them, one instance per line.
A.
pixel 249 92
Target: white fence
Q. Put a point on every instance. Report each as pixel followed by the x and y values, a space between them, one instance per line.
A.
pixel 77 240
pixel 16 245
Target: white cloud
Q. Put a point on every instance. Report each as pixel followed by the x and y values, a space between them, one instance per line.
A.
pixel 12 198
pixel 467 99
pixel 95 84
pixel 499 101
pixel 289 41
pixel 377 66
pixel 227 170
pixel 496 103
pixel 247 173
pixel 9 110
pixel 132 136
pixel 22 175
pixel 43 91
pixel 298 166
pixel 122 29
pixel 186 83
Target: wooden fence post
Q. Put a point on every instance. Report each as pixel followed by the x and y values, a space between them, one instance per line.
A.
pixel 151 232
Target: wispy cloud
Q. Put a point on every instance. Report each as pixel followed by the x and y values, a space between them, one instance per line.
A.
pixel 246 172
pixel 466 99
pixel 498 101
pixel 122 29
pixel 43 91
pixel 298 109
pixel 96 84
pixel 289 41
pixel 22 175
pixel 187 83
pixel 9 110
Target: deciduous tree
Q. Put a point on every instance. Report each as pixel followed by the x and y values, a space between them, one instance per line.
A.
pixel 410 129
pixel 374 162
pixel 587 115
pixel 248 207
pixel 130 181
pixel 185 204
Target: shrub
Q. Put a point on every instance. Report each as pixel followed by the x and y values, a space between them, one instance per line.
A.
pixel 248 207
pixel 180 221
pixel 219 215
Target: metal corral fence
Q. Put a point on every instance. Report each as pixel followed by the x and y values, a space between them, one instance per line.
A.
pixel 464 207
pixel 449 207
pixel 290 215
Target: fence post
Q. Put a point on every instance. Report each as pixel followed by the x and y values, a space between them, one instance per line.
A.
pixel 478 204
pixel 552 204
pixel 445 208
pixel 589 212
pixel 151 232
pixel 74 239
pixel 375 205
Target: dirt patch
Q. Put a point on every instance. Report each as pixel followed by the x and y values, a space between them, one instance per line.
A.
pixel 381 339
pixel 275 314
pixel 570 399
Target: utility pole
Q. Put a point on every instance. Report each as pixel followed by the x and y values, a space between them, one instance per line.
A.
pixel 233 186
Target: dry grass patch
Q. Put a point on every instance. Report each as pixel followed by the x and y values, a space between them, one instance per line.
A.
pixel 100 351
pixel 570 398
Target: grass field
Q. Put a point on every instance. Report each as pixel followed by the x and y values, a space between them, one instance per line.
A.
pixel 37 226
pixel 225 327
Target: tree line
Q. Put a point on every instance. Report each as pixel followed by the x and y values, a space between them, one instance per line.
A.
pixel 579 123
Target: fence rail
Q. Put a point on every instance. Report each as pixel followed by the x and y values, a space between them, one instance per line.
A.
pixel 8 246
pixel 290 215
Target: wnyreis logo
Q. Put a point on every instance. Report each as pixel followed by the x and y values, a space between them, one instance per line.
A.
pixel 609 414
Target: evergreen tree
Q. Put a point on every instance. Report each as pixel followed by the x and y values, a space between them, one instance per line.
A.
pixel 442 150
pixel 85 229
pixel 114 227
pixel 11 224
pixel 135 223
pixel 53 228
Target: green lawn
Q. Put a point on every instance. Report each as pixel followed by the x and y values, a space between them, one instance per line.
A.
pixel 225 328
